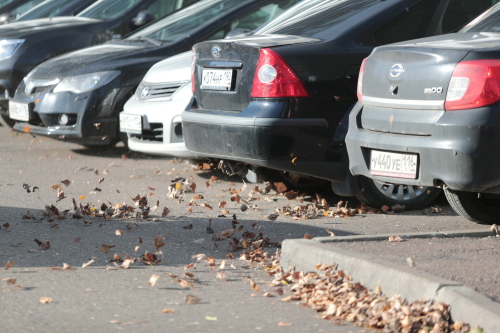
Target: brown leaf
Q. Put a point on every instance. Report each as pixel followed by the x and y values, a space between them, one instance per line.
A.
pixel 307 236
pixel 254 286
pixel 192 187
pixel 55 186
pixel 105 171
pixel 87 222
pixel 9 264
pixel 153 279
pixel 118 232
pixel 281 323
pixel 395 239
pixel 77 240
pixel 191 299
pixel 106 248
pixel 165 212
pixel 96 172
pixel 66 182
pixel 168 311
pixel 45 300
pixel 397 208
pixel 385 208
pixel 187 227
pixel 159 241
pixel 280 187
pixel 226 233
pixel 10 280
pixel 140 240
pixel 273 217
pixel 236 198
pixel 60 193
pixel 124 157
pixel 291 195
pixel 222 204
pixel 6 225
pixel 100 180
pixel 204 204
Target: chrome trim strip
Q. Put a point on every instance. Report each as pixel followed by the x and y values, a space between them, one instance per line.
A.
pixel 403 103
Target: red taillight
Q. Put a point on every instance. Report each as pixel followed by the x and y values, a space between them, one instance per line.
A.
pixel 473 84
pixel 192 69
pixel 360 81
pixel 274 78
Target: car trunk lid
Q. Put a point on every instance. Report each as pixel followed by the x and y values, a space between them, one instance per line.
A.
pixel 233 61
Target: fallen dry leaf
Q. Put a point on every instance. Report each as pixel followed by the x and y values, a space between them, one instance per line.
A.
pixel 66 182
pixel 10 280
pixel 159 241
pixel 9 264
pixel 100 180
pixel 191 299
pixel 307 236
pixel 281 323
pixel 106 248
pixel 280 187
pixel 77 240
pixel 395 239
pixel 118 232
pixel 153 279
pixel 90 262
pixel 45 300
pixel 168 311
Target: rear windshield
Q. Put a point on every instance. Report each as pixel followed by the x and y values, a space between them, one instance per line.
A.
pixel 108 9
pixel 182 22
pixel 489 21
pixel 310 17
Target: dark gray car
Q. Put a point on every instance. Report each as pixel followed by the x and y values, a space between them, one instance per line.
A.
pixel 429 116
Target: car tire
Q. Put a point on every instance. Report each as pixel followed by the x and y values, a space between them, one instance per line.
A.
pixel 475 207
pixel 378 194
pixel 6 121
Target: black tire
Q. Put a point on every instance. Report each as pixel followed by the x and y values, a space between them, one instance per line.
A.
pixel 377 194
pixel 6 121
pixel 475 207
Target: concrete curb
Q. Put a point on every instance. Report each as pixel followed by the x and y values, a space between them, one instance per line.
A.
pixel 466 304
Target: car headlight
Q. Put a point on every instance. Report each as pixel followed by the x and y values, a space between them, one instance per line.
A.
pixel 83 83
pixel 8 47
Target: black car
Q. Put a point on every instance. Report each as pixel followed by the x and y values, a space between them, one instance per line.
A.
pixel 11 9
pixel 77 97
pixel 51 8
pixel 440 125
pixel 277 99
pixel 24 45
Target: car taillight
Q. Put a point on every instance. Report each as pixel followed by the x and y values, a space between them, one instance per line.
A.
pixel 360 81
pixel 192 69
pixel 274 78
pixel 473 84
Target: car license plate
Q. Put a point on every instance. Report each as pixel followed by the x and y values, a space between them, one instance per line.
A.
pixel 393 165
pixel 130 123
pixel 19 111
pixel 217 79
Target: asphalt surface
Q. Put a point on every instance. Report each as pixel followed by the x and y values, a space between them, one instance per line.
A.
pixel 101 300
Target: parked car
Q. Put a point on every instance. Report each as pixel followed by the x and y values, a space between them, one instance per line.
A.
pixel 164 93
pixel 276 98
pixel 51 8
pixel 24 45
pixel 77 97
pixel 11 9
pixel 428 116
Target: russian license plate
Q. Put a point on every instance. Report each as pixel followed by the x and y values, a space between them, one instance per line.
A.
pixel 217 79
pixel 130 123
pixel 393 165
pixel 19 111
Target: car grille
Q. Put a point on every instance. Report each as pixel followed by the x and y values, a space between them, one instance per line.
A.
pixel 159 91
pixel 155 133
pixel 38 90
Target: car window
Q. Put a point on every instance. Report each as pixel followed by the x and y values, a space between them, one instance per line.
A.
pixel 48 8
pixel 5 2
pixel 16 12
pixel 411 24
pixel 108 9
pixel 160 8
pixel 254 19
pixel 460 12
pixel 489 21
pixel 310 17
pixel 182 22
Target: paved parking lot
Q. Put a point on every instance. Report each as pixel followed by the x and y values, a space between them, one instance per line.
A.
pixel 100 299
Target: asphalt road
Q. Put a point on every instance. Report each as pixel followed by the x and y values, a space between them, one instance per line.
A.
pixel 100 300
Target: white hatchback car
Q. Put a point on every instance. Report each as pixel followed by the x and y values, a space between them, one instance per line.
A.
pixel 152 116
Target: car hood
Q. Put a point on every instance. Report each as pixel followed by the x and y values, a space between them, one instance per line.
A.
pixel 176 68
pixel 459 41
pixel 99 58
pixel 24 28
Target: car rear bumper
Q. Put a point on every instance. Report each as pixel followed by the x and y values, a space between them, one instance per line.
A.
pixel 289 144
pixel 462 151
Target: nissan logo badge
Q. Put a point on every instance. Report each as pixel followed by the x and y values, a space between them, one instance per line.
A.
pixel 216 51
pixel 396 70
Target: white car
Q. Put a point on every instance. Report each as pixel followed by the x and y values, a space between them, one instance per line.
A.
pixel 152 116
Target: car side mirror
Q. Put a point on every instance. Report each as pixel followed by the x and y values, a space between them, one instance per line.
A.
pixel 238 33
pixel 143 17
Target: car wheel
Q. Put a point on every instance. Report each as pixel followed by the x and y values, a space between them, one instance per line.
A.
pixel 378 194
pixel 481 208
pixel 6 121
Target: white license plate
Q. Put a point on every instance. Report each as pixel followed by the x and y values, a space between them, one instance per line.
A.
pixel 19 111
pixel 393 165
pixel 217 79
pixel 130 123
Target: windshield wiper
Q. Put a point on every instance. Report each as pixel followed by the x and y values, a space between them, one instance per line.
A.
pixel 147 39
